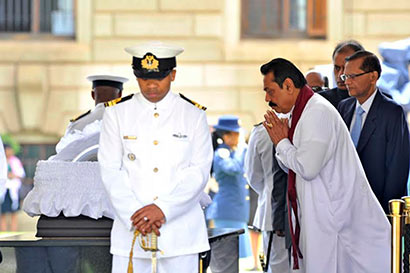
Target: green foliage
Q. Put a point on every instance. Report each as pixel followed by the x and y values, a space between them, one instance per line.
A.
pixel 9 140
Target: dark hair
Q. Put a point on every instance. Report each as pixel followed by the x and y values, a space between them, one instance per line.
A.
pixel 370 61
pixel 347 45
pixel 283 69
pixel 325 81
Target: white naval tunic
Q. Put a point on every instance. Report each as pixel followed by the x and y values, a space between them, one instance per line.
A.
pixel 343 226
pixel 157 153
pixel 76 129
pixel 258 169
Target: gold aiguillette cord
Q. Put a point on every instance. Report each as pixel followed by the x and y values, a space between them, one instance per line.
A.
pixel 147 243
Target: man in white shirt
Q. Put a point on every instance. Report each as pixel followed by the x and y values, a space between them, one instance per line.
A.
pixel 155 157
pixel 269 182
pixel 338 224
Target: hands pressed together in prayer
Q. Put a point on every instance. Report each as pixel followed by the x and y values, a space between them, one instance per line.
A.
pixel 147 219
pixel 277 128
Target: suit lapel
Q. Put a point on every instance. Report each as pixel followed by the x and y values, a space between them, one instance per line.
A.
pixel 370 123
pixel 348 114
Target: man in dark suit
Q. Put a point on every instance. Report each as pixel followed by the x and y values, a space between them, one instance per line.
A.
pixel 342 50
pixel 378 127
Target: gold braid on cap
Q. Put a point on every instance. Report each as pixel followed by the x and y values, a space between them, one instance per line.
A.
pixel 150 63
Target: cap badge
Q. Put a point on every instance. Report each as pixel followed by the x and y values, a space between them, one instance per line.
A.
pixel 150 62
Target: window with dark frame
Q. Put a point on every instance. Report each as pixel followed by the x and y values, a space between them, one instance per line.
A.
pixel 37 17
pixel 283 19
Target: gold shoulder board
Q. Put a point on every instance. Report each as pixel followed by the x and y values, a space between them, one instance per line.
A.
pixel 80 116
pixel 193 102
pixel 116 101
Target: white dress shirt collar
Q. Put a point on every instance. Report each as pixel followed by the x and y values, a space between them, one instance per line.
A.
pixel 366 108
pixel 368 103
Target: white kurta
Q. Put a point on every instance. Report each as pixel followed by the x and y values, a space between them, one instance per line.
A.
pixel 258 169
pixel 157 153
pixel 343 226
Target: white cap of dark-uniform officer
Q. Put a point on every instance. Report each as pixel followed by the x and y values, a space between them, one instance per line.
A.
pixel 153 60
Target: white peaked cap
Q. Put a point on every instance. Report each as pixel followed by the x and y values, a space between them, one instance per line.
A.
pixel 107 78
pixel 159 49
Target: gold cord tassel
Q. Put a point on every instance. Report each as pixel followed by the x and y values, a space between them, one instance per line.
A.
pixel 130 267
pixel 147 243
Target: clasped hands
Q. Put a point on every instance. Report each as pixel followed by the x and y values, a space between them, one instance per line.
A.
pixel 277 128
pixel 147 219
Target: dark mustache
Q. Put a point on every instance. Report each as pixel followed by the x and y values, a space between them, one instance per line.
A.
pixel 271 104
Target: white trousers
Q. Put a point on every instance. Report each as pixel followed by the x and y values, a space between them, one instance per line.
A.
pixel 279 257
pixel 180 264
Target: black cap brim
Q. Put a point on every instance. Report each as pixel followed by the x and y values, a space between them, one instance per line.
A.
pixel 151 75
pixel 114 84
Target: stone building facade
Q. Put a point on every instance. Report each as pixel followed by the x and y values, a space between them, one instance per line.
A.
pixel 43 85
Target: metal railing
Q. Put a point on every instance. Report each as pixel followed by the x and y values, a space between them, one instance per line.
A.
pixel 400 220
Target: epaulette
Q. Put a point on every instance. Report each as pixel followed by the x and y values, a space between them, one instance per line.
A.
pixel 256 125
pixel 118 100
pixel 80 116
pixel 193 102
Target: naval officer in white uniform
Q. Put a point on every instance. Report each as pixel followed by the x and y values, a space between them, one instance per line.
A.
pixel 155 157
pixel 104 88
pixel 269 181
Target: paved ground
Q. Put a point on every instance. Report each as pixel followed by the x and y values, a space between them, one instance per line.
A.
pixel 27 223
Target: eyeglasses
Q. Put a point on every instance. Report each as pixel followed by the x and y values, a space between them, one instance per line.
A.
pixel 344 77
